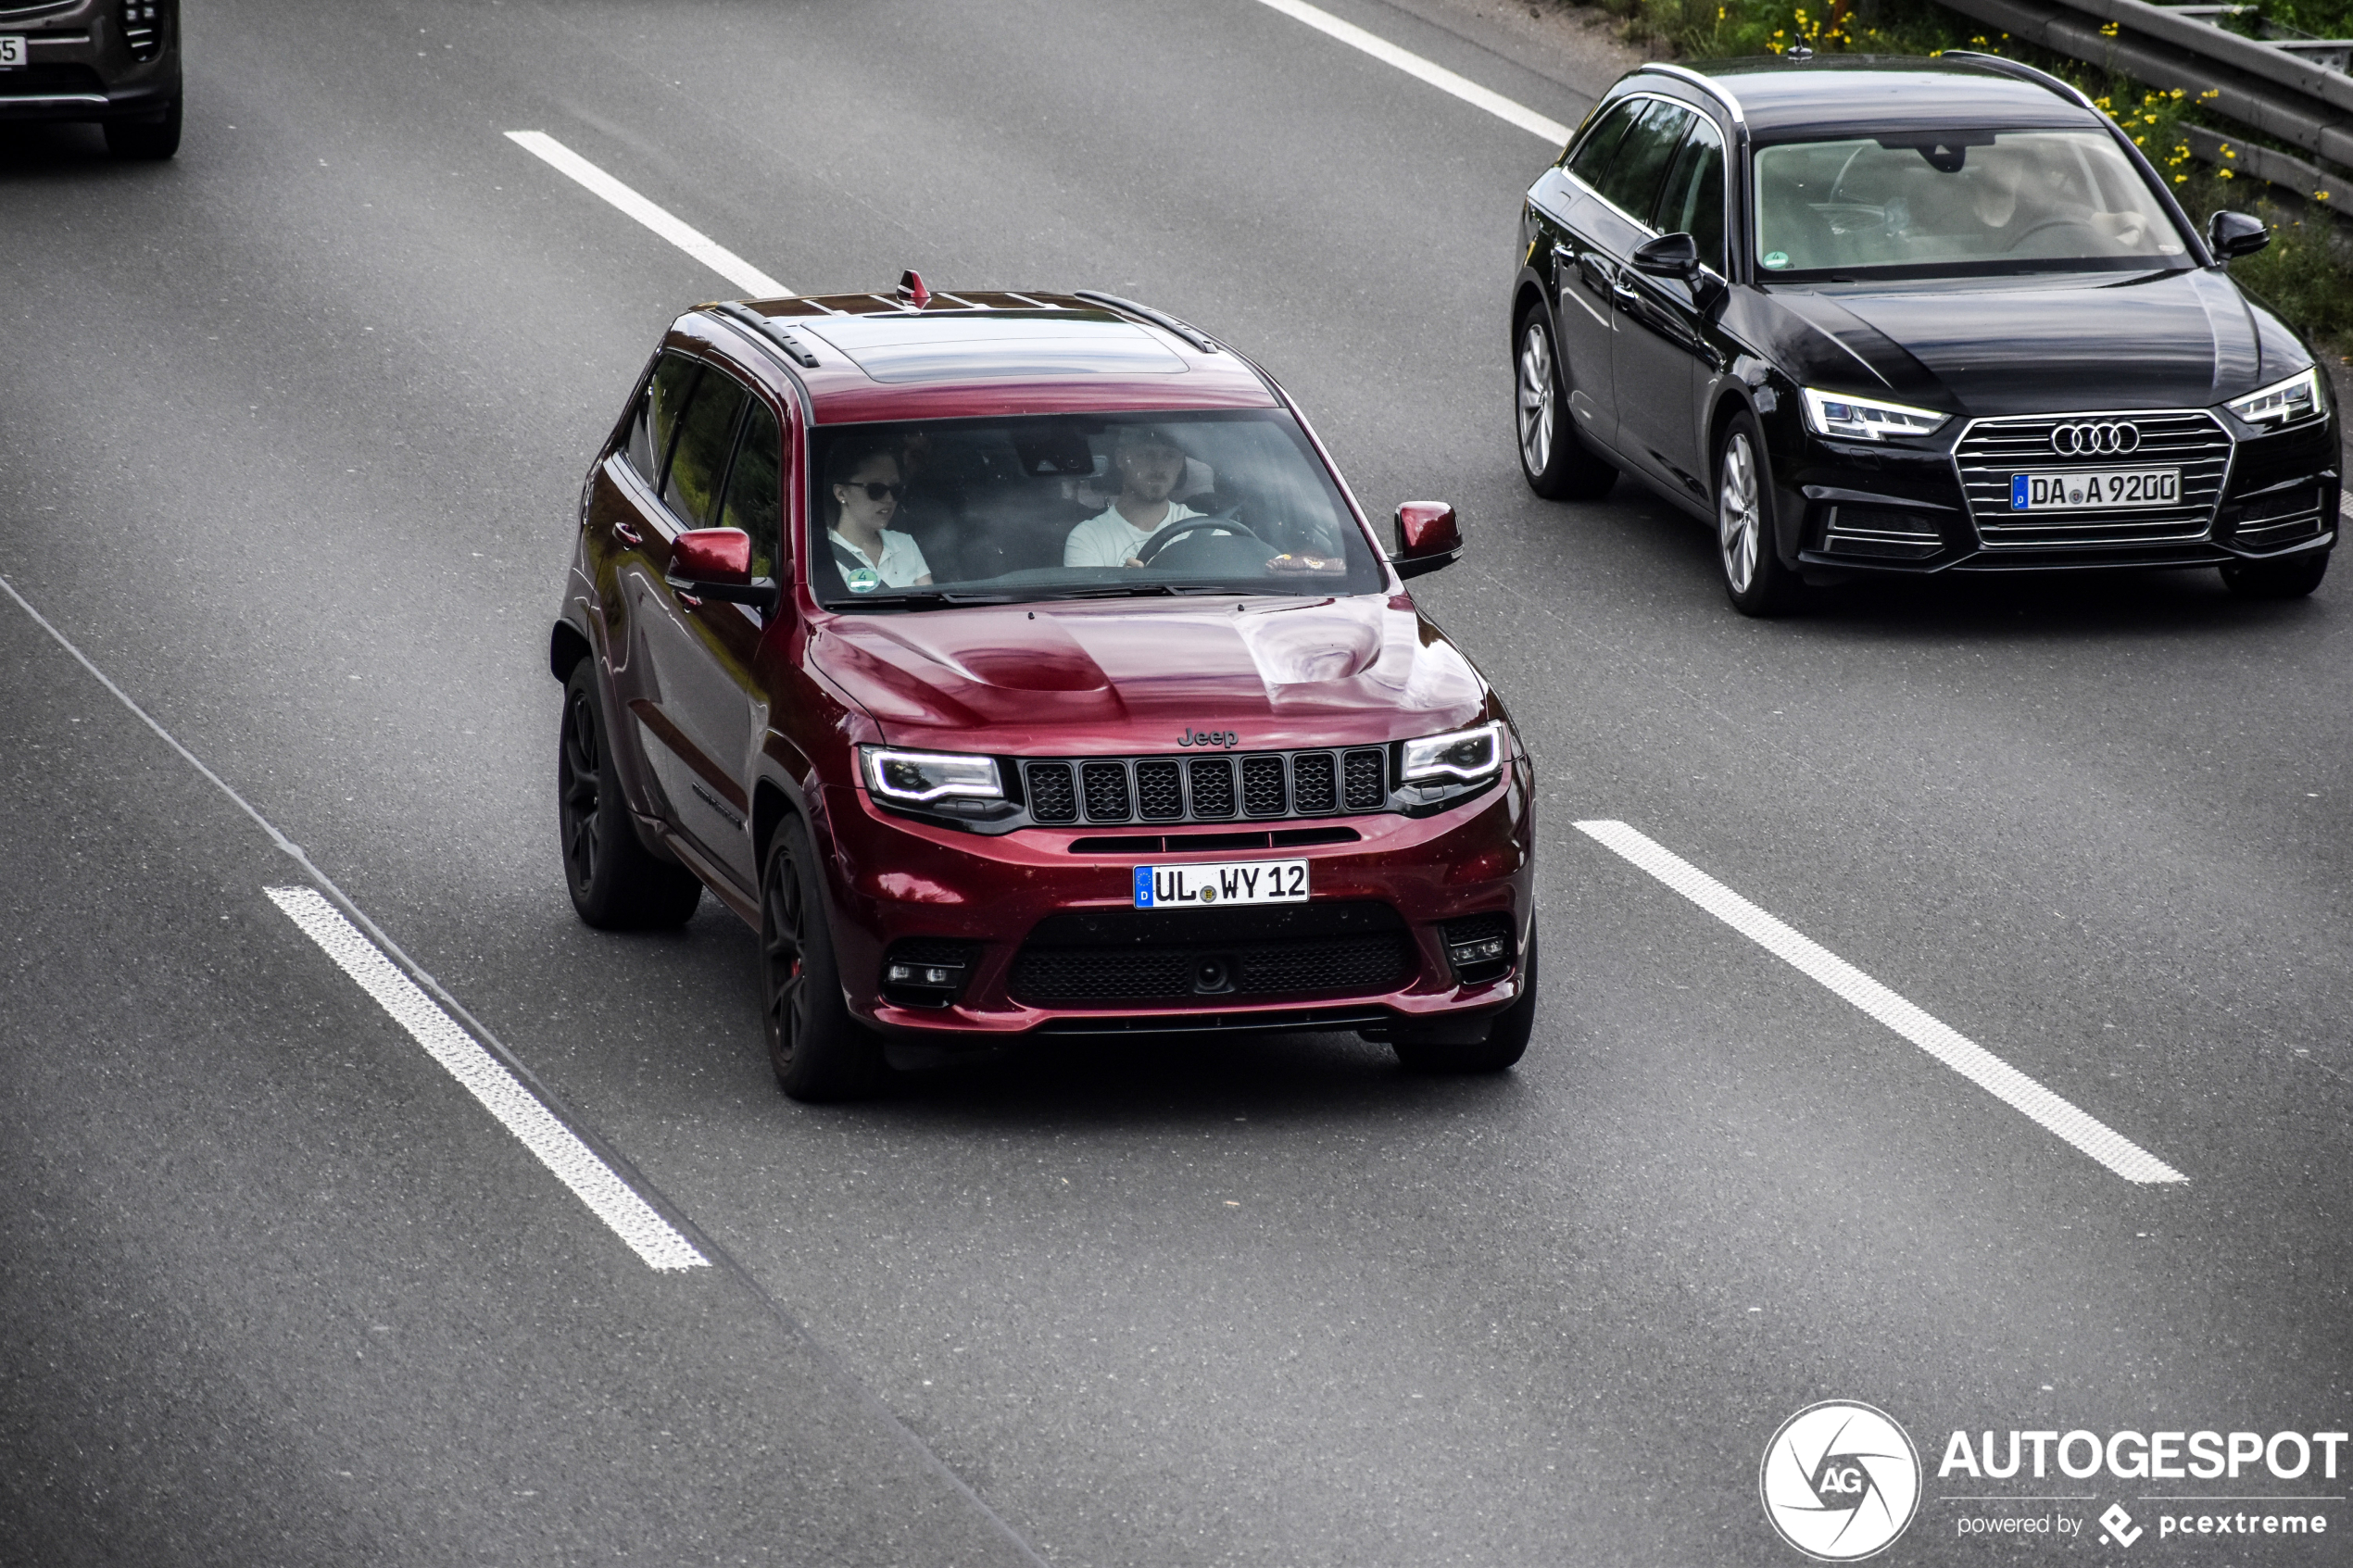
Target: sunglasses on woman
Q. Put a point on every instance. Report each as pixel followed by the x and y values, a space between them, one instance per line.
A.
pixel 875 489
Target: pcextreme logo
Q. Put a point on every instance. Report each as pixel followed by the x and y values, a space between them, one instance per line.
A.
pixel 1840 1481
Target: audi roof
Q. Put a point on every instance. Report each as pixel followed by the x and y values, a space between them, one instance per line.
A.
pixel 1858 93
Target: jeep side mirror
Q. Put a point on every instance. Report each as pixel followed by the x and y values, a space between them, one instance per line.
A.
pixel 1428 538
pixel 715 563
pixel 1669 255
pixel 2236 234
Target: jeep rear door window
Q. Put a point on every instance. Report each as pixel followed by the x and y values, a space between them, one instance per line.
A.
pixel 1925 205
pixel 1079 507
pixel 705 435
pixel 657 416
pixel 1631 183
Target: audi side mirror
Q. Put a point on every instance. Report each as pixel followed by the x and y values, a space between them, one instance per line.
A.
pixel 1428 538
pixel 2236 234
pixel 715 563
pixel 1669 255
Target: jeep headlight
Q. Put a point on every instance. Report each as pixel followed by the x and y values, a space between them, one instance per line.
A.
pixel 2300 397
pixel 916 778
pixel 1866 419
pixel 1466 755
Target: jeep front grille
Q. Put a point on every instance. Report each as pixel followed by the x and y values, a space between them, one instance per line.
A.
pixel 1260 786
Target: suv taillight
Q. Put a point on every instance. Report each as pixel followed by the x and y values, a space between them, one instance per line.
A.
pixel 142 28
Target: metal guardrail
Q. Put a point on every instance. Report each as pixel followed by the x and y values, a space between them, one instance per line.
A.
pixel 2283 88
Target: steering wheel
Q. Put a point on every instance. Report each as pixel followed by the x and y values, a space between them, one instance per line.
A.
pixel 1223 523
pixel 2082 223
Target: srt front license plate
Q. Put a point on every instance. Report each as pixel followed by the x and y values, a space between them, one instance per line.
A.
pixel 2081 491
pixel 11 50
pixel 1229 882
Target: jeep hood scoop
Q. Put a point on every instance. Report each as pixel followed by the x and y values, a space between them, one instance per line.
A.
pixel 1136 677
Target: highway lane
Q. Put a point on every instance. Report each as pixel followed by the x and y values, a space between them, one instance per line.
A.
pixel 1243 1302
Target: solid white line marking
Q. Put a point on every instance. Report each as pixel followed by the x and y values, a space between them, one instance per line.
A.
pixel 1413 65
pixel 693 241
pixel 1942 1041
pixel 611 1198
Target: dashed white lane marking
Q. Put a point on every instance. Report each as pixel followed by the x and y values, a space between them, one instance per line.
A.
pixel 608 1197
pixel 1413 65
pixel 1942 1041
pixel 693 241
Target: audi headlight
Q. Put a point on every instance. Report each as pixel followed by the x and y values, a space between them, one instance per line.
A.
pixel 916 778
pixel 2300 397
pixel 1466 755
pixel 1867 418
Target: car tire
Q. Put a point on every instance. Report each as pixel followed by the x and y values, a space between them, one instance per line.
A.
pixel 155 137
pixel 616 882
pixel 1506 1039
pixel 1552 458
pixel 1755 578
pixel 818 1051
pixel 2276 579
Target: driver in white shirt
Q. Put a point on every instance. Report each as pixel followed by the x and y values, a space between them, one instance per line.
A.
pixel 1149 465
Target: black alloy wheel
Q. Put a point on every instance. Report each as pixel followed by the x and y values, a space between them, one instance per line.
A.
pixel 156 136
pixel 1506 1039
pixel 1753 576
pixel 616 882
pixel 2276 579
pixel 818 1051
pixel 1555 462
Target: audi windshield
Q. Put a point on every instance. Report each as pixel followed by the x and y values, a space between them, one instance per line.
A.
pixel 938 513
pixel 1957 203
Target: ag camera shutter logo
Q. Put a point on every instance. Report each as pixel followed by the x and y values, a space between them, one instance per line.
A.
pixel 1840 1481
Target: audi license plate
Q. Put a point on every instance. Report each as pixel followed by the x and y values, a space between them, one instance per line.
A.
pixel 2081 491
pixel 1227 882
pixel 12 54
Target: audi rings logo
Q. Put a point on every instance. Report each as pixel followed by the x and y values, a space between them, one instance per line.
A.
pixel 2105 439
pixel 1840 1481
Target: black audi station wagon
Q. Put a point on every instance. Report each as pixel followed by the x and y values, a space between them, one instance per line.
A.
pixel 1917 315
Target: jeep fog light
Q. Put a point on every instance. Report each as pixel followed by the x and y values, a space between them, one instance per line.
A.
pixel 920 777
pixel 1467 755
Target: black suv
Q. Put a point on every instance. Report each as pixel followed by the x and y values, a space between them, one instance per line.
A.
pixel 113 61
pixel 1910 316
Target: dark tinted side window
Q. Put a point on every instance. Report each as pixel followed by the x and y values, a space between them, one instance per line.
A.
pixel 1632 181
pixel 1692 202
pixel 1592 162
pixel 755 499
pixel 698 460
pixel 656 416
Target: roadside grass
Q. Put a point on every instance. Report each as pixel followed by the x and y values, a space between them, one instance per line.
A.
pixel 2305 274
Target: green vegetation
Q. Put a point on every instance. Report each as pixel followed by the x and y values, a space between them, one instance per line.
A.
pixel 2307 271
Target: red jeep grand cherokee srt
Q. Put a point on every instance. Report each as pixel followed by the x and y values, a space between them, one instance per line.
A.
pixel 1017 663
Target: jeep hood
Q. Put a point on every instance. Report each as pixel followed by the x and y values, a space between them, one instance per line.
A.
pixel 1136 676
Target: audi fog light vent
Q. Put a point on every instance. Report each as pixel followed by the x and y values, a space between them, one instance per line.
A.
pixel 2284 402
pixel 1864 419
pixel 143 29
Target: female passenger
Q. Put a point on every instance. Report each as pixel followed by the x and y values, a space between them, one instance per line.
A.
pixel 864 479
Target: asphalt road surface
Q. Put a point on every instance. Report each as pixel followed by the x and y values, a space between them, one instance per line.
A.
pixel 292 429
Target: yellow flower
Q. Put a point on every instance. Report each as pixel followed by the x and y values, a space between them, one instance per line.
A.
pixel 2108 30
pixel 2222 174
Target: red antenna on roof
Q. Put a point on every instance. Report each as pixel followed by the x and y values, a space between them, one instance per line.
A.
pixel 911 290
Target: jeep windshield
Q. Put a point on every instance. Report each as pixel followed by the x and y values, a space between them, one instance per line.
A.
pixel 1956 204
pixel 938 514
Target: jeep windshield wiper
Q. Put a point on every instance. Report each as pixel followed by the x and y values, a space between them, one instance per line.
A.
pixel 927 599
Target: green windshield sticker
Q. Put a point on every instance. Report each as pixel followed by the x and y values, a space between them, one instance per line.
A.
pixel 864 580
pixel 1777 258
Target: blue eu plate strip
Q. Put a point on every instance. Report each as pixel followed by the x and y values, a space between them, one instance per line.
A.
pixel 1143 887
pixel 2017 493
